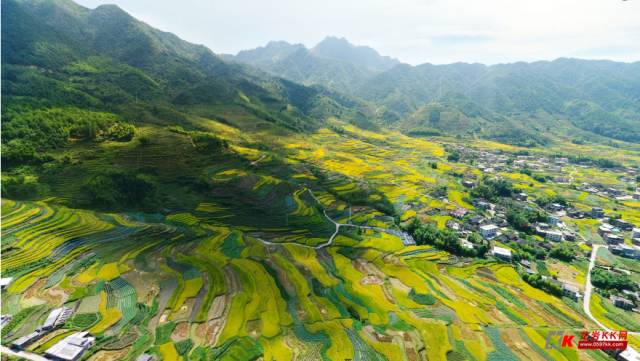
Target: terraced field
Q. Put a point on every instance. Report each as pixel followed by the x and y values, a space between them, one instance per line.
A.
pixel 250 272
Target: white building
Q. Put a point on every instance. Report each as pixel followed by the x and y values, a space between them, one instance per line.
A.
pixel 501 253
pixel 555 236
pixel 4 320
pixel 5 282
pixel 489 231
pixel 466 244
pixel 145 357
pixel 57 317
pixel 71 347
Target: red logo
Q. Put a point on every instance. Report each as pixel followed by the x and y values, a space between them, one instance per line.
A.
pixel 603 340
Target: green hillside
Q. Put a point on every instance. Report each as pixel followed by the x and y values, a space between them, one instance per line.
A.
pixel 92 91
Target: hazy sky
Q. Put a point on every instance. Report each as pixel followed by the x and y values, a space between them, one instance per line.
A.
pixel 414 31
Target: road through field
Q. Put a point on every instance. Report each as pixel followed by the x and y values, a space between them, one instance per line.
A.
pixel 630 353
pixel 588 287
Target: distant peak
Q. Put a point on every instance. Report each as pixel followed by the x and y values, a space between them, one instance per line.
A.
pixel 112 10
pixel 340 48
pixel 337 42
pixel 281 44
pixel 335 39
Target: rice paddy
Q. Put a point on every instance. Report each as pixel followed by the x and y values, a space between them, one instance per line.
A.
pixel 248 273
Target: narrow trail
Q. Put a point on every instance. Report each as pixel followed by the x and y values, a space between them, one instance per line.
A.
pixel 337 229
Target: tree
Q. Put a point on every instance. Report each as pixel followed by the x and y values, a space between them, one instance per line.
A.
pixel 611 281
pixel 118 189
pixel 492 189
pixel 563 252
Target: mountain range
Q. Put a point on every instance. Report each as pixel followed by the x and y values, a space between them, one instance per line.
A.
pixel 334 62
pixel 517 102
pixel 106 60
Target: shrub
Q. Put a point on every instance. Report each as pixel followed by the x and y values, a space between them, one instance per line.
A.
pixel 421 298
pixel 546 285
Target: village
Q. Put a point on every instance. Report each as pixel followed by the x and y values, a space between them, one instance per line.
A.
pixel 550 223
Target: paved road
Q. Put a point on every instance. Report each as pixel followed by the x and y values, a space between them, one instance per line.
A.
pixel 630 352
pixel 23 354
pixel 588 289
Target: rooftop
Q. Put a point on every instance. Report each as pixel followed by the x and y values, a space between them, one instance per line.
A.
pixel 501 251
pixel 71 347
pixel 5 281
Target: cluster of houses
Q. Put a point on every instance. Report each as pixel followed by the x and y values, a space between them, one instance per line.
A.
pixel 71 348
pixel 608 192
pixel 627 299
pixel 554 230
pixel 497 161
pixel 612 233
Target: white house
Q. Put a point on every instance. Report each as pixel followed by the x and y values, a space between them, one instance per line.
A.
pixel 489 231
pixel 501 253
pixel 71 347
pixel 5 282
pixel 555 236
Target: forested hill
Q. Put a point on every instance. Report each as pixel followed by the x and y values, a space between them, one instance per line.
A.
pixel 600 97
pixel 99 108
pixel 59 54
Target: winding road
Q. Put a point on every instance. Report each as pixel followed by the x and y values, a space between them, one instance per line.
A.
pixel 630 352
pixel 588 290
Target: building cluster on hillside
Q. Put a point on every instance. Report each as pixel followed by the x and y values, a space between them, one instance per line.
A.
pixel 56 318
pixel 497 161
pixel 612 232
pixel 489 220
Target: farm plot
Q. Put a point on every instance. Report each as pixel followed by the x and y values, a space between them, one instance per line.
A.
pixel 121 296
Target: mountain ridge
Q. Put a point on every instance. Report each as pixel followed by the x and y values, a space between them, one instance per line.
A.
pixel 593 99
